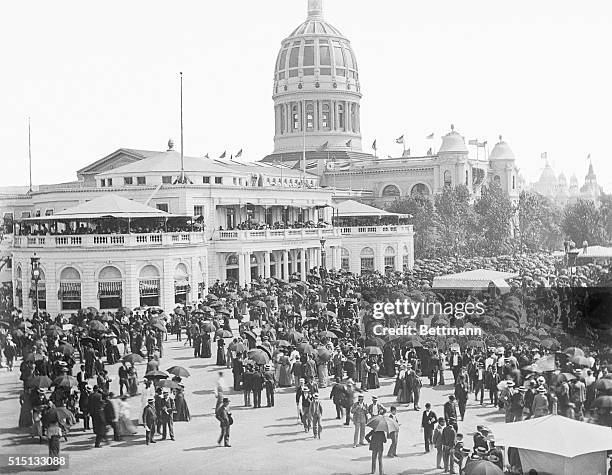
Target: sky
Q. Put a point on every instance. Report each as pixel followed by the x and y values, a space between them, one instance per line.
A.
pixel 95 77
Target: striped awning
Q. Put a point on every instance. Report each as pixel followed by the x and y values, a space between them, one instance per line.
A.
pixel 149 287
pixel 110 289
pixel 69 291
pixel 181 286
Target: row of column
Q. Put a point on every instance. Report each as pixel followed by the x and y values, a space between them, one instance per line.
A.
pixel 343 116
pixel 304 258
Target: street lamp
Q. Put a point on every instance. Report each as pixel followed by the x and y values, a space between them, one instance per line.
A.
pixel 35 261
pixel 323 253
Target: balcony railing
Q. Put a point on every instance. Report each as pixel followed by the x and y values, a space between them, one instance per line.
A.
pixel 306 233
pixel 108 240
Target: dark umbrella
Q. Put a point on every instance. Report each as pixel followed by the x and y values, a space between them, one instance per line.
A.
pixel 373 350
pixel 223 310
pixel 259 303
pixel 158 326
pixel 221 333
pixel 87 340
pixel 178 371
pixel 250 335
pixel 603 402
pixel 54 331
pixel 240 348
pixel 97 326
pixel 310 321
pixel 413 344
pixel 603 385
pixel 339 333
pixel 304 347
pixel 208 326
pixel 263 348
pixel 166 383
pixel 66 349
pixel 212 297
pixel 482 467
pixel 179 311
pixel 327 334
pixel 39 382
pixel 65 381
pixel 132 358
pixel 259 356
pixel 156 374
pixel 383 424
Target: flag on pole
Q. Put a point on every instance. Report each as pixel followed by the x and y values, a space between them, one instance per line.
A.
pixel 400 139
pixel 311 166
pixel 544 155
pixel 482 144
pixel 430 136
pixel 374 145
pixel 429 152
pixel 223 154
pixel 323 147
pixel 207 156
pixel 342 166
pixel 473 142
pixel 589 156
pixel 239 154
pixel 349 143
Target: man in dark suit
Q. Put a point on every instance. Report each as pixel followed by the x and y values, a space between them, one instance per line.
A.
pixel 449 439
pixel 123 379
pixel 149 419
pixel 480 437
pixel 428 422
pixel 247 385
pixel 258 383
pixel 450 411
pixel 224 416
pixel 167 415
pixel 159 403
pixel 96 409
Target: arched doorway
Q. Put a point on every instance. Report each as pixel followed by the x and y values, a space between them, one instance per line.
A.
pixel 231 268
pixel 181 284
pixel 149 286
pixel 367 260
pixel 110 288
pixel 254 266
pixel 419 189
pixel 389 259
pixel 390 191
pixel 69 292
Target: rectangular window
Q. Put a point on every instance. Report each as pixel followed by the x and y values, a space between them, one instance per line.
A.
pixel 230 218
pixel 198 210
pixel 324 56
pixel 338 56
pixel 128 180
pixel 367 264
pixel 25 214
pixel 269 221
pixel 308 55
pixel 308 71
pixel 162 206
pixel 235 181
pixel 48 212
pixel 37 214
pixel 293 73
pixel 141 180
pixel 109 182
pixel 102 182
pixel 167 180
pixel 206 180
pixel 282 60
pixel 218 180
pixel 325 71
pixel 390 262
pixel 340 72
pixel 293 57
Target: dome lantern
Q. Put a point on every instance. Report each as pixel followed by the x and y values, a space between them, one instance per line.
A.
pixel 315 9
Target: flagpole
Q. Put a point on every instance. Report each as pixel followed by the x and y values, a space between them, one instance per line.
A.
pixel 182 178
pixel 30 153
pixel 303 144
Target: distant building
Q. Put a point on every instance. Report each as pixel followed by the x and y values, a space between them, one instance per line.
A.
pixel 557 188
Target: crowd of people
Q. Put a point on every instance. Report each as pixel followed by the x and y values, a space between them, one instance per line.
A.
pixel 309 336
pixel 252 225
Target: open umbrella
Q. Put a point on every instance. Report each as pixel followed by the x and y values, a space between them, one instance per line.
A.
pixel 550 343
pixel 87 340
pixel 93 310
pixel 482 467
pixel 533 338
pixel 156 374
pixel 65 381
pixel 179 311
pixel 66 349
pixel 603 402
pixel 259 356
pixel 212 297
pixel 178 371
pixel 166 383
pixel 132 358
pixel 159 326
pixel 310 321
pixel 327 334
pixel 566 377
pixel 259 303
pixel 295 336
pixel 250 335
pixel 240 348
pixel 604 385
pixel 304 347
pixel 512 330
pixel 265 349
pixel 383 424
pixel 324 354
pixel 221 333
pixel 581 361
pixel 54 331
pixel 97 326
pixel 41 382
pixel 573 351
pixel 208 326
pixel 373 350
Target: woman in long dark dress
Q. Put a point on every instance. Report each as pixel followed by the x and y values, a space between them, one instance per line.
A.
pixel 182 410
pixel 206 351
pixel 25 414
pixel 221 361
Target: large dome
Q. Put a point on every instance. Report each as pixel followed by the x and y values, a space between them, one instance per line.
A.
pixel 316 88
pixel 453 142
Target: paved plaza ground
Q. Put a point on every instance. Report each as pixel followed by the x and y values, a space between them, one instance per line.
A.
pixel 264 441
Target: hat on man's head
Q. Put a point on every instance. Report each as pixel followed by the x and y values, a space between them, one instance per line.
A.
pixel 522 389
pixel 374 398
pixel 510 384
pixel 151 399
pixel 541 389
pixel 451 397
pixel 225 399
pixel 360 396
pixel 481 451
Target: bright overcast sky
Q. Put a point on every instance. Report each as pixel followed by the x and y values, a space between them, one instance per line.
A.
pixel 97 77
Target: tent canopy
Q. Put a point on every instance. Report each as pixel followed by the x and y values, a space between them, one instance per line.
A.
pixel 554 434
pixel 598 252
pixel 473 279
pixel 352 208
pixel 106 206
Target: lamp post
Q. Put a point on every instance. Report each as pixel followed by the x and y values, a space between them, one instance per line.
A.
pixel 323 253
pixel 35 261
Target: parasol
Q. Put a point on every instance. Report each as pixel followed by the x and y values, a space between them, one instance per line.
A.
pixel 66 349
pixel 41 382
pixel 383 424
pixel 573 351
pixel 132 358
pixel 482 467
pixel 324 354
pixel 240 348
pixel 373 350
pixel 65 381
pixel 178 371
pixel 304 347
pixel 97 326
pixel 221 333
pixel 208 326
pixel 250 335
pixel 156 374
pixel 327 334
pixel 604 385
pixel 166 383
pixel 259 356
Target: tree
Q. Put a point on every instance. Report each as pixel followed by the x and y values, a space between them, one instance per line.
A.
pixel 421 208
pixel 583 221
pixel 539 222
pixel 494 212
pixel 454 221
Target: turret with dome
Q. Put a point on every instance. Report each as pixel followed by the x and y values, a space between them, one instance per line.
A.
pixel 316 88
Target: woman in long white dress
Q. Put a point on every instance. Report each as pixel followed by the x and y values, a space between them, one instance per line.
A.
pixel 126 427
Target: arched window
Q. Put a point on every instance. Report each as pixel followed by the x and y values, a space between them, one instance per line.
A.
pixel 419 189
pixel 390 191
pixel 340 116
pixel 295 118
pixel 389 259
pixel 231 267
pixel 149 286
pixel 325 116
pixel 345 259
pixel 181 283
pixel 110 288
pixel 69 292
pixel 367 260
pixel 406 258
pixel 448 180
pixel 309 116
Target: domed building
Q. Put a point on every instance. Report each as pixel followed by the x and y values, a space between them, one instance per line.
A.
pixel 316 88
